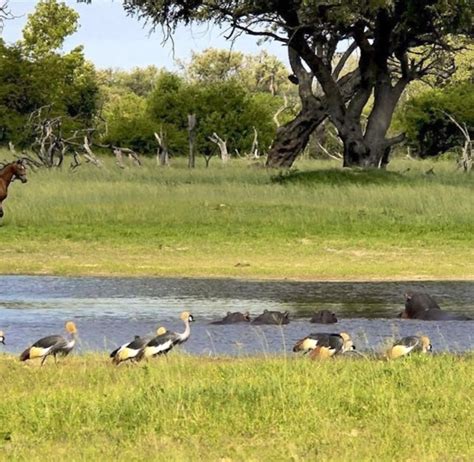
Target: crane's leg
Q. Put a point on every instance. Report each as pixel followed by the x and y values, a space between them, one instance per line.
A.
pixel 43 360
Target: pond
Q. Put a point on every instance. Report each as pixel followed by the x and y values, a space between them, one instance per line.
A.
pixel 110 311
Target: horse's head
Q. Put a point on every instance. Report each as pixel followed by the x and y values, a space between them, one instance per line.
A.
pixel 19 170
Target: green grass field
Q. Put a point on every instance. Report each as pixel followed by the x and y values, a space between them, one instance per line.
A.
pixel 287 409
pixel 319 222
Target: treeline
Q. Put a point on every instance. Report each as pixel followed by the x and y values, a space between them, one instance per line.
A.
pixel 242 98
pixel 231 94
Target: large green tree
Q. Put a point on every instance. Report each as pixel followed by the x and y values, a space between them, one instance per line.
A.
pixel 34 73
pixel 226 107
pixel 48 27
pixel 387 33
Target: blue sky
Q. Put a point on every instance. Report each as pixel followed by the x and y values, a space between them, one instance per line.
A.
pixel 113 39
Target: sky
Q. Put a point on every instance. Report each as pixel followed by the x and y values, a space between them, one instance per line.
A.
pixel 113 39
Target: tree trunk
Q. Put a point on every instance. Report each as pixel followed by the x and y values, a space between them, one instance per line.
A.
pixel 356 153
pixel 192 136
pixel 162 155
pixel 372 149
pixel 222 145
pixel 292 138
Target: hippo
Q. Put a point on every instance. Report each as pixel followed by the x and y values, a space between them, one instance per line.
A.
pixel 232 318
pixel 272 317
pixel 440 315
pixel 323 317
pixel 417 302
pixel 419 305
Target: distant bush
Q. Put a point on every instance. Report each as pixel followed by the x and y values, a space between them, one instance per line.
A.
pixel 424 119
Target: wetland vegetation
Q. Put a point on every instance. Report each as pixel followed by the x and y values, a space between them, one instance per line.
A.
pixel 317 222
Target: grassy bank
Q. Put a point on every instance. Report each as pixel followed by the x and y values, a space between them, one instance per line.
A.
pixel 240 221
pixel 185 408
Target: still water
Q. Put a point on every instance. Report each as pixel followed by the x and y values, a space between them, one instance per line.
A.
pixel 110 311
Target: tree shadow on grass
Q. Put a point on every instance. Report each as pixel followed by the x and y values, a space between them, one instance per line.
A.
pixel 340 177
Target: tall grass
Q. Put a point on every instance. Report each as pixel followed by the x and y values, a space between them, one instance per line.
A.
pixel 184 408
pixel 320 221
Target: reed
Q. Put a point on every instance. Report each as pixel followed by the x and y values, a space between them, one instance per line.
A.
pixel 191 408
pixel 319 222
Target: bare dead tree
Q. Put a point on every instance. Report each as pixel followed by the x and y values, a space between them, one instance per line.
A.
pixel 162 155
pixel 49 146
pixel 192 137
pixel 89 155
pixel 119 154
pixel 76 160
pixel 5 13
pixel 118 157
pixel 254 149
pixel 280 110
pixel 466 157
pixel 336 156
pixel 222 145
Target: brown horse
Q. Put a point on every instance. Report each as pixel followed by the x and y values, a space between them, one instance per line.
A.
pixel 14 170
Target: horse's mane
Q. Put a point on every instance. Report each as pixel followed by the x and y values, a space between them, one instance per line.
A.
pixel 4 165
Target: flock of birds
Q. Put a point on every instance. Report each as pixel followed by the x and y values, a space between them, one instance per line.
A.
pixel 316 345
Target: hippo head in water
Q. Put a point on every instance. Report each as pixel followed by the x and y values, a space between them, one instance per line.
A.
pixel 272 317
pixel 232 318
pixel 323 317
pixel 416 303
pixel 419 305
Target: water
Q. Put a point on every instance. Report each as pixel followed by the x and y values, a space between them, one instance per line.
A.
pixel 110 311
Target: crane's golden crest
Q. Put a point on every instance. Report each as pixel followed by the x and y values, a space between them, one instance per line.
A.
pixel 346 337
pixel 161 330
pixel 425 341
pixel 185 315
pixel 71 327
pixel 2 334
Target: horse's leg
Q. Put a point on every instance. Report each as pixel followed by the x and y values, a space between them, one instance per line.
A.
pixel 1 210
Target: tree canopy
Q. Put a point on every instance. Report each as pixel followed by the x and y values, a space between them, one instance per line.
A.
pixel 398 41
pixel 35 74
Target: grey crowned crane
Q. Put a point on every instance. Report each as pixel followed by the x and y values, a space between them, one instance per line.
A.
pixel 163 343
pixel 322 345
pixel 406 345
pixel 2 337
pixel 131 350
pixel 52 345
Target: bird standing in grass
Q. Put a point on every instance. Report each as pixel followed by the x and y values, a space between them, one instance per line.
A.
pixel 2 337
pixel 52 345
pixel 406 345
pixel 163 343
pixel 131 350
pixel 321 345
